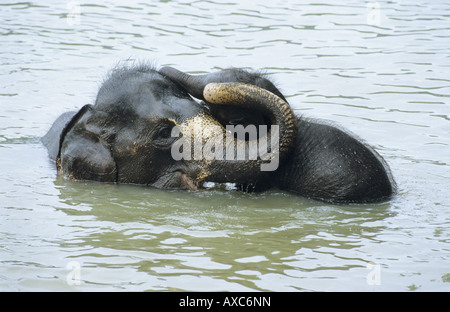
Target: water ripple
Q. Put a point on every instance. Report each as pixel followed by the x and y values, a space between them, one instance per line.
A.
pixel 379 69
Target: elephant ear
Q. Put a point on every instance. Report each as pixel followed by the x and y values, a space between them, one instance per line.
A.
pixel 51 139
pixel 84 153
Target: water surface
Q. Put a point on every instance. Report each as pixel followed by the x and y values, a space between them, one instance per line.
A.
pixel 379 69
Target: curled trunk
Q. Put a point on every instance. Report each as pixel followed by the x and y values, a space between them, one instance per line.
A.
pixel 262 153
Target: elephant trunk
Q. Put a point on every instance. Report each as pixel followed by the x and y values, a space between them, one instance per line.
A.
pixel 263 153
pixel 269 148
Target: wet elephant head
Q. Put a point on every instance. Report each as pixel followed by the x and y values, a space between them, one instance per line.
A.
pixel 140 115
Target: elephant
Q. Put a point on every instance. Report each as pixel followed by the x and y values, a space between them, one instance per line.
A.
pixel 142 117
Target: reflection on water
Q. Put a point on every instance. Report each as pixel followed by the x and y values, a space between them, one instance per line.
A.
pixel 241 237
pixel 380 69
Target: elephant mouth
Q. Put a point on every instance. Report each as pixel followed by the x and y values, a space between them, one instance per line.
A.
pixel 188 183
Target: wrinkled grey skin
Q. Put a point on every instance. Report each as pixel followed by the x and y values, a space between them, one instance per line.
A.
pixel 126 135
pixel 125 138
pixel 326 163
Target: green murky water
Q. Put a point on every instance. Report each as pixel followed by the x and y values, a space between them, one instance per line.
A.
pixel 380 69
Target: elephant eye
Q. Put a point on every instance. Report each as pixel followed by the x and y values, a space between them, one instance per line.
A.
pixel 164 133
pixel 162 137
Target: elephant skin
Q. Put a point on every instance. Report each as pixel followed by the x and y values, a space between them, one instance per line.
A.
pixel 126 137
